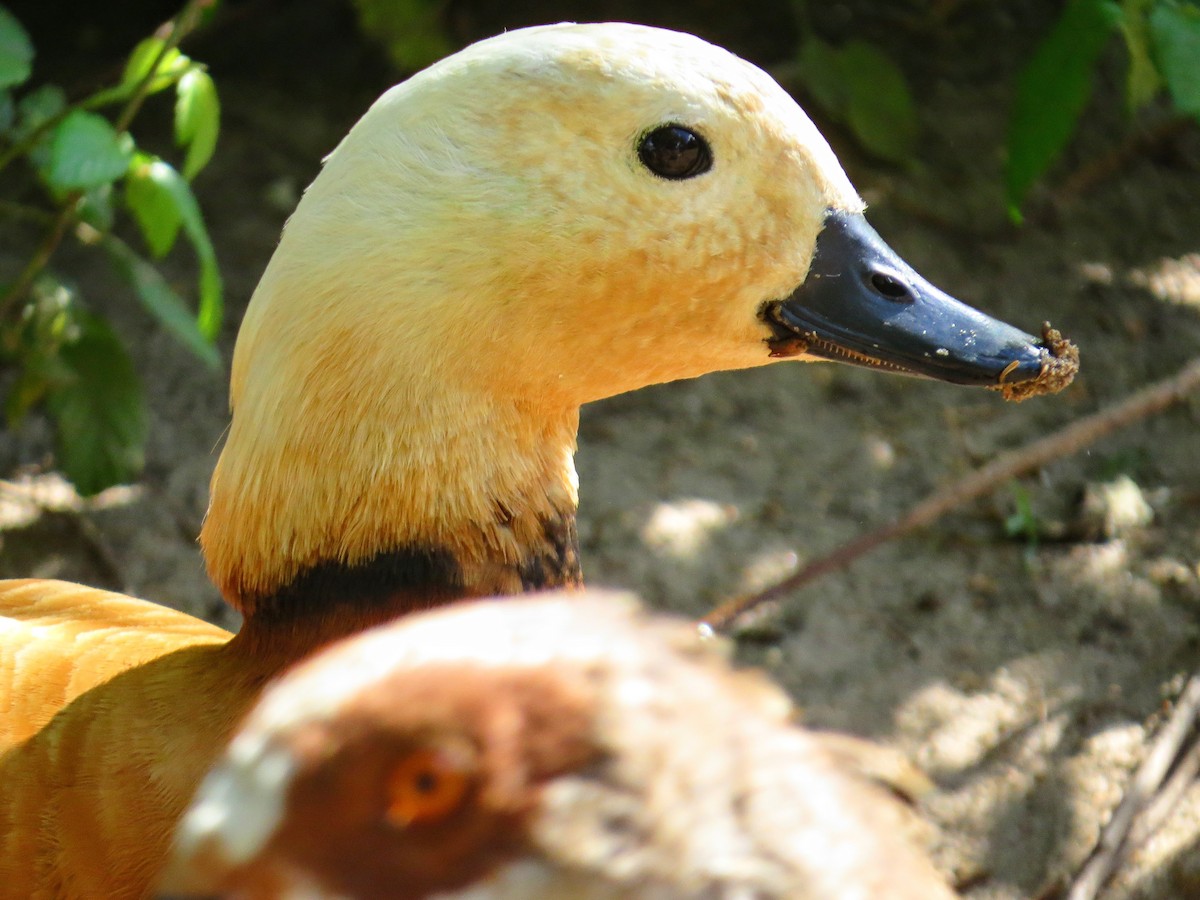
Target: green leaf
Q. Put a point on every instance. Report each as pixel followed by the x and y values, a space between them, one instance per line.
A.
pixel 1052 91
pixel 821 77
pixel 170 182
pixel 859 85
pixel 161 301
pixel 38 107
pixel 212 307
pixel 99 412
pixel 16 51
pixel 197 119
pixel 153 203
pixel 34 111
pixel 86 152
pixel 1142 82
pixel 144 55
pixel 1023 520
pixel 881 109
pixel 1176 32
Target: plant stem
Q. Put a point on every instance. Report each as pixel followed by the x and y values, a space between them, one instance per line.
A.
pixel 1074 437
pixel 42 255
pixel 16 210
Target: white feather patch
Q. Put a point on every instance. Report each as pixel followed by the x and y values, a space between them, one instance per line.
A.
pixel 240 803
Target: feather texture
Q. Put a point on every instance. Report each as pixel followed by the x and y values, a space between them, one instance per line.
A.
pixel 584 749
pixel 484 252
pixel 102 708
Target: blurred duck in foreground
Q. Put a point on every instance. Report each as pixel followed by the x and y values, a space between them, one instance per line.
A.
pixel 551 747
pixel 553 216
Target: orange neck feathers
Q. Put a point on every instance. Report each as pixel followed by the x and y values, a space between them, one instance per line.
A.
pixel 378 511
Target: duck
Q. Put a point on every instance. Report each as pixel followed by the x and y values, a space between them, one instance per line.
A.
pixel 548 746
pixel 546 218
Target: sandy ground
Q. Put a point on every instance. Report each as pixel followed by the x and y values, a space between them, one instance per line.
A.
pixel 1024 679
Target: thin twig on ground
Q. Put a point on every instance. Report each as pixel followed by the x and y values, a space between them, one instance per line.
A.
pixel 1128 827
pixel 1159 810
pixel 1064 442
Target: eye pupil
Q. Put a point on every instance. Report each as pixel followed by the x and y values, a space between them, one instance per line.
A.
pixel 675 152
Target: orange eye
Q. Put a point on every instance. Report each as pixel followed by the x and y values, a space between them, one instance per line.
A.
pixel 427 785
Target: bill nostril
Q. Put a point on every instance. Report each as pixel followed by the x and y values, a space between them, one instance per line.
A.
pixel 889 286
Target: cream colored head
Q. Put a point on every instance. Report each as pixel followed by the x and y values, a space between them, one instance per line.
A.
pixel 483 253
pixel 490 218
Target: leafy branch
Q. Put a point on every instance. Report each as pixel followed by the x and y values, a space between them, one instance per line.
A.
pixel 1162 41
pixel 67 359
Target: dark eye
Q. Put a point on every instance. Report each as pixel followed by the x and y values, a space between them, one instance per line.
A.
pixel 675 152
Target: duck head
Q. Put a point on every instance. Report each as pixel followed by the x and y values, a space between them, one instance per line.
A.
pixel 546 218
pixel 540 748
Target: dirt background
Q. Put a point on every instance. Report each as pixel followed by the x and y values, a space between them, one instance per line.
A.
pixel 1024 679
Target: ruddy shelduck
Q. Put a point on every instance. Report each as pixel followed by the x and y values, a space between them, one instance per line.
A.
pixel 546 218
